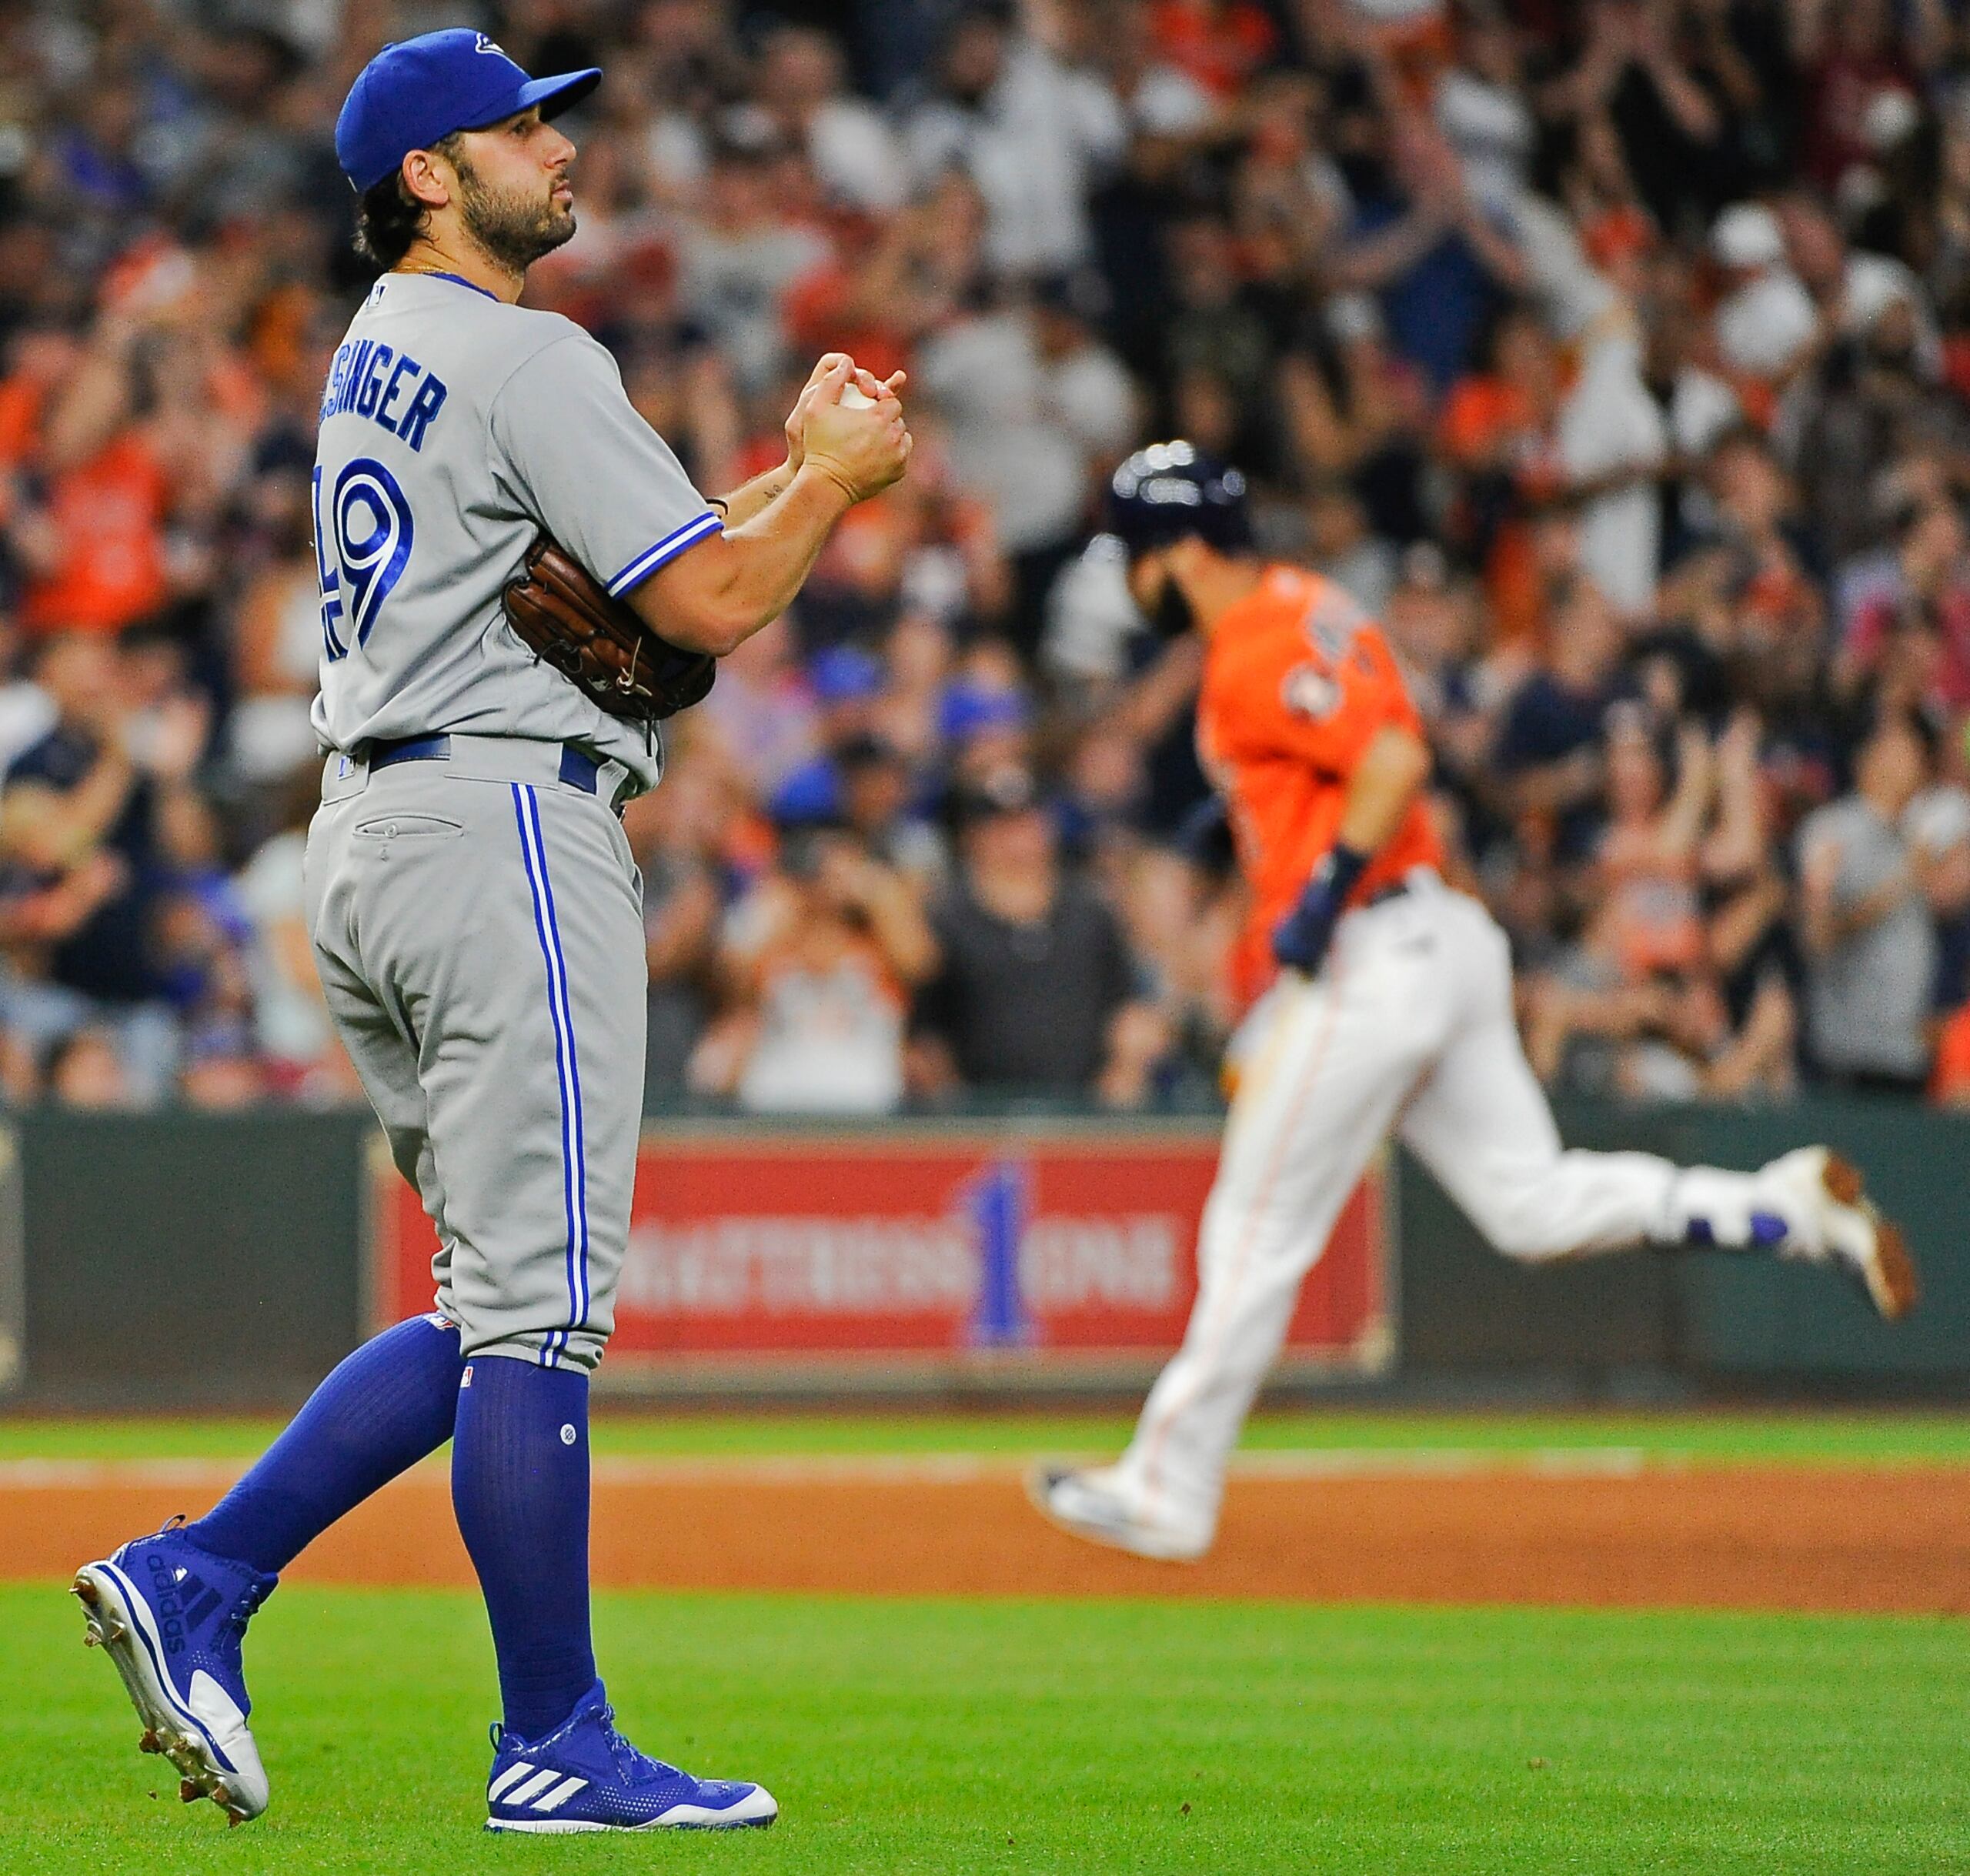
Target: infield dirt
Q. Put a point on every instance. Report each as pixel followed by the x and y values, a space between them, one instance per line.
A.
pixel 1886 1541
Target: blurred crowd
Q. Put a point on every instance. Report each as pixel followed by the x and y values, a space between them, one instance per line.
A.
pixel 1615 353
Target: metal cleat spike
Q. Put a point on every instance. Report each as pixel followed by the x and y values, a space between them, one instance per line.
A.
pixel 91 1639
pixel 150 1742
pixel 188 1792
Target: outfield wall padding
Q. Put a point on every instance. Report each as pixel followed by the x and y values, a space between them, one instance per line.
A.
pixel 188 1260
pixel 1705 1316
pixel 185 1261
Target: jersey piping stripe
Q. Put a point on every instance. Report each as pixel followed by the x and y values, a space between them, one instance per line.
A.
pixel 673 544
pixel 574 1198
pixel 433 273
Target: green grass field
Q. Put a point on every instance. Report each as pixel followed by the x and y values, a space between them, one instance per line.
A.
pixel 1801 1437
pixel 1089 1738
pixel 943 1736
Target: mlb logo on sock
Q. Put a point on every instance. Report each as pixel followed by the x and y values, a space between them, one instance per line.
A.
pixel 465 1380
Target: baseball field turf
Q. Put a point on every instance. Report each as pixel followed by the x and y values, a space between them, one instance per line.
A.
pixel 1088 1735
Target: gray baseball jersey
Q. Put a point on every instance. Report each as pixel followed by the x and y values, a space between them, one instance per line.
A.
pixel 475 913
pixel 455 428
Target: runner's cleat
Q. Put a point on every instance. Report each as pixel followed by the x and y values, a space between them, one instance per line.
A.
pixel 1088 1504
pixel 1837 1223
pixel 171 1616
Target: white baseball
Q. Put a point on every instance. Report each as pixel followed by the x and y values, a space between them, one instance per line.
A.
pixel 854 398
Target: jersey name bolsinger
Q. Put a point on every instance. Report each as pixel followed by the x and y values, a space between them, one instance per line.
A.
pixel 364 381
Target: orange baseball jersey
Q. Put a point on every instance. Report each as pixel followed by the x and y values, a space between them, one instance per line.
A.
pixel 1297 681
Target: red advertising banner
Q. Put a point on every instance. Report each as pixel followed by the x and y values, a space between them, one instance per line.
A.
pixel 923 1250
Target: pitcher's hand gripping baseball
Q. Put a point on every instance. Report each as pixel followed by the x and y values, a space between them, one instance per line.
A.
pixel 862 445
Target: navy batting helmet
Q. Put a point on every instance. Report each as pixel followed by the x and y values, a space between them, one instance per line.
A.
pixel 1172 490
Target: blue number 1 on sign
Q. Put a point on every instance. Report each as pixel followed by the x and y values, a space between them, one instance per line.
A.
pixel 995 1204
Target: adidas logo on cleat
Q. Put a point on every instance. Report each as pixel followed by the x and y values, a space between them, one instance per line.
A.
pixel 543 1791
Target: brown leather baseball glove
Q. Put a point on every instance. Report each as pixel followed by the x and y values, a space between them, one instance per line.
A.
pixel 598 643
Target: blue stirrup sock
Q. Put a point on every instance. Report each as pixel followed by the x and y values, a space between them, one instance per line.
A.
pixel 386 1407
pixel 520 1488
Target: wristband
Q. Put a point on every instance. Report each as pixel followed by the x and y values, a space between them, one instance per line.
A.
pixel 1340 870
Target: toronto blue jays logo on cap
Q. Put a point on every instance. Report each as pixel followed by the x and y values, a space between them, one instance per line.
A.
pixel 418 92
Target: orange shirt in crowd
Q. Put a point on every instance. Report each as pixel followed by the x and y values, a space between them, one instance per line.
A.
pixel 1621 232
pixel 1297 681
pixel 22 399
pixel 1218 43
pixel 1949 1081
pixel 1488 421
pixel 110 512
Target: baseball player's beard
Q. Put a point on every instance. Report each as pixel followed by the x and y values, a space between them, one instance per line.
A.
pixel 512 230
pixel 1172 615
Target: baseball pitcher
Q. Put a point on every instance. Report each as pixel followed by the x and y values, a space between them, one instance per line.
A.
pixel 517 583
pixel 1391 1009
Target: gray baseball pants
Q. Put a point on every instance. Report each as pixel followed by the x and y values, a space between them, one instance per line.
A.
pixel 477 922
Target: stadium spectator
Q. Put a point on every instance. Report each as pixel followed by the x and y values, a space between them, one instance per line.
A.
pixel 1618 353
pixel 1550 755
pixel 828 950
pixel 1034 135
pixel 1767 320
pixel 100 806
pixel 1436 256
pixel 1034 992
pixel 852 150
pixel 1869 938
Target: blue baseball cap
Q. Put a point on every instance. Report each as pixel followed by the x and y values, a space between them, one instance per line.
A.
pixel 415 92
pixel 967 709
pixel 845 674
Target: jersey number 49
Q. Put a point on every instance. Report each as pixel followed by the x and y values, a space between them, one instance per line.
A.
pixel 362 546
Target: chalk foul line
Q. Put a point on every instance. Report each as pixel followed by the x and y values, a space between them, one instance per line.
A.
pixel 1310 1465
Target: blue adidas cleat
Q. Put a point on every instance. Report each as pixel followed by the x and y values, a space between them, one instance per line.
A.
pixel 585 1776
pixel 170 1617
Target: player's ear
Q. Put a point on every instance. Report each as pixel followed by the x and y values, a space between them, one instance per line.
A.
pixel 427 179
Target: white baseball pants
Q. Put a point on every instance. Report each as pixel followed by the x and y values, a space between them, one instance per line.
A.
pixel 1409 1026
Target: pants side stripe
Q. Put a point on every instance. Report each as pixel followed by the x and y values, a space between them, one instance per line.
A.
pixel 551 1349
pixel 574 1064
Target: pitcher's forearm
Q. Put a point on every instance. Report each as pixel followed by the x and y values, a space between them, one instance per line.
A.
pixel 715 597
pixel 752 498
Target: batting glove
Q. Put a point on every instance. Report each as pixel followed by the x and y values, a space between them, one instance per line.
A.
pixel 1299 940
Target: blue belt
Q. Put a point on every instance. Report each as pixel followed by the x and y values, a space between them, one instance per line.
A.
pixel 578 768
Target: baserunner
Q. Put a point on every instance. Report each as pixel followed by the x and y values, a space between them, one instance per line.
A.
pixel 1381 1004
